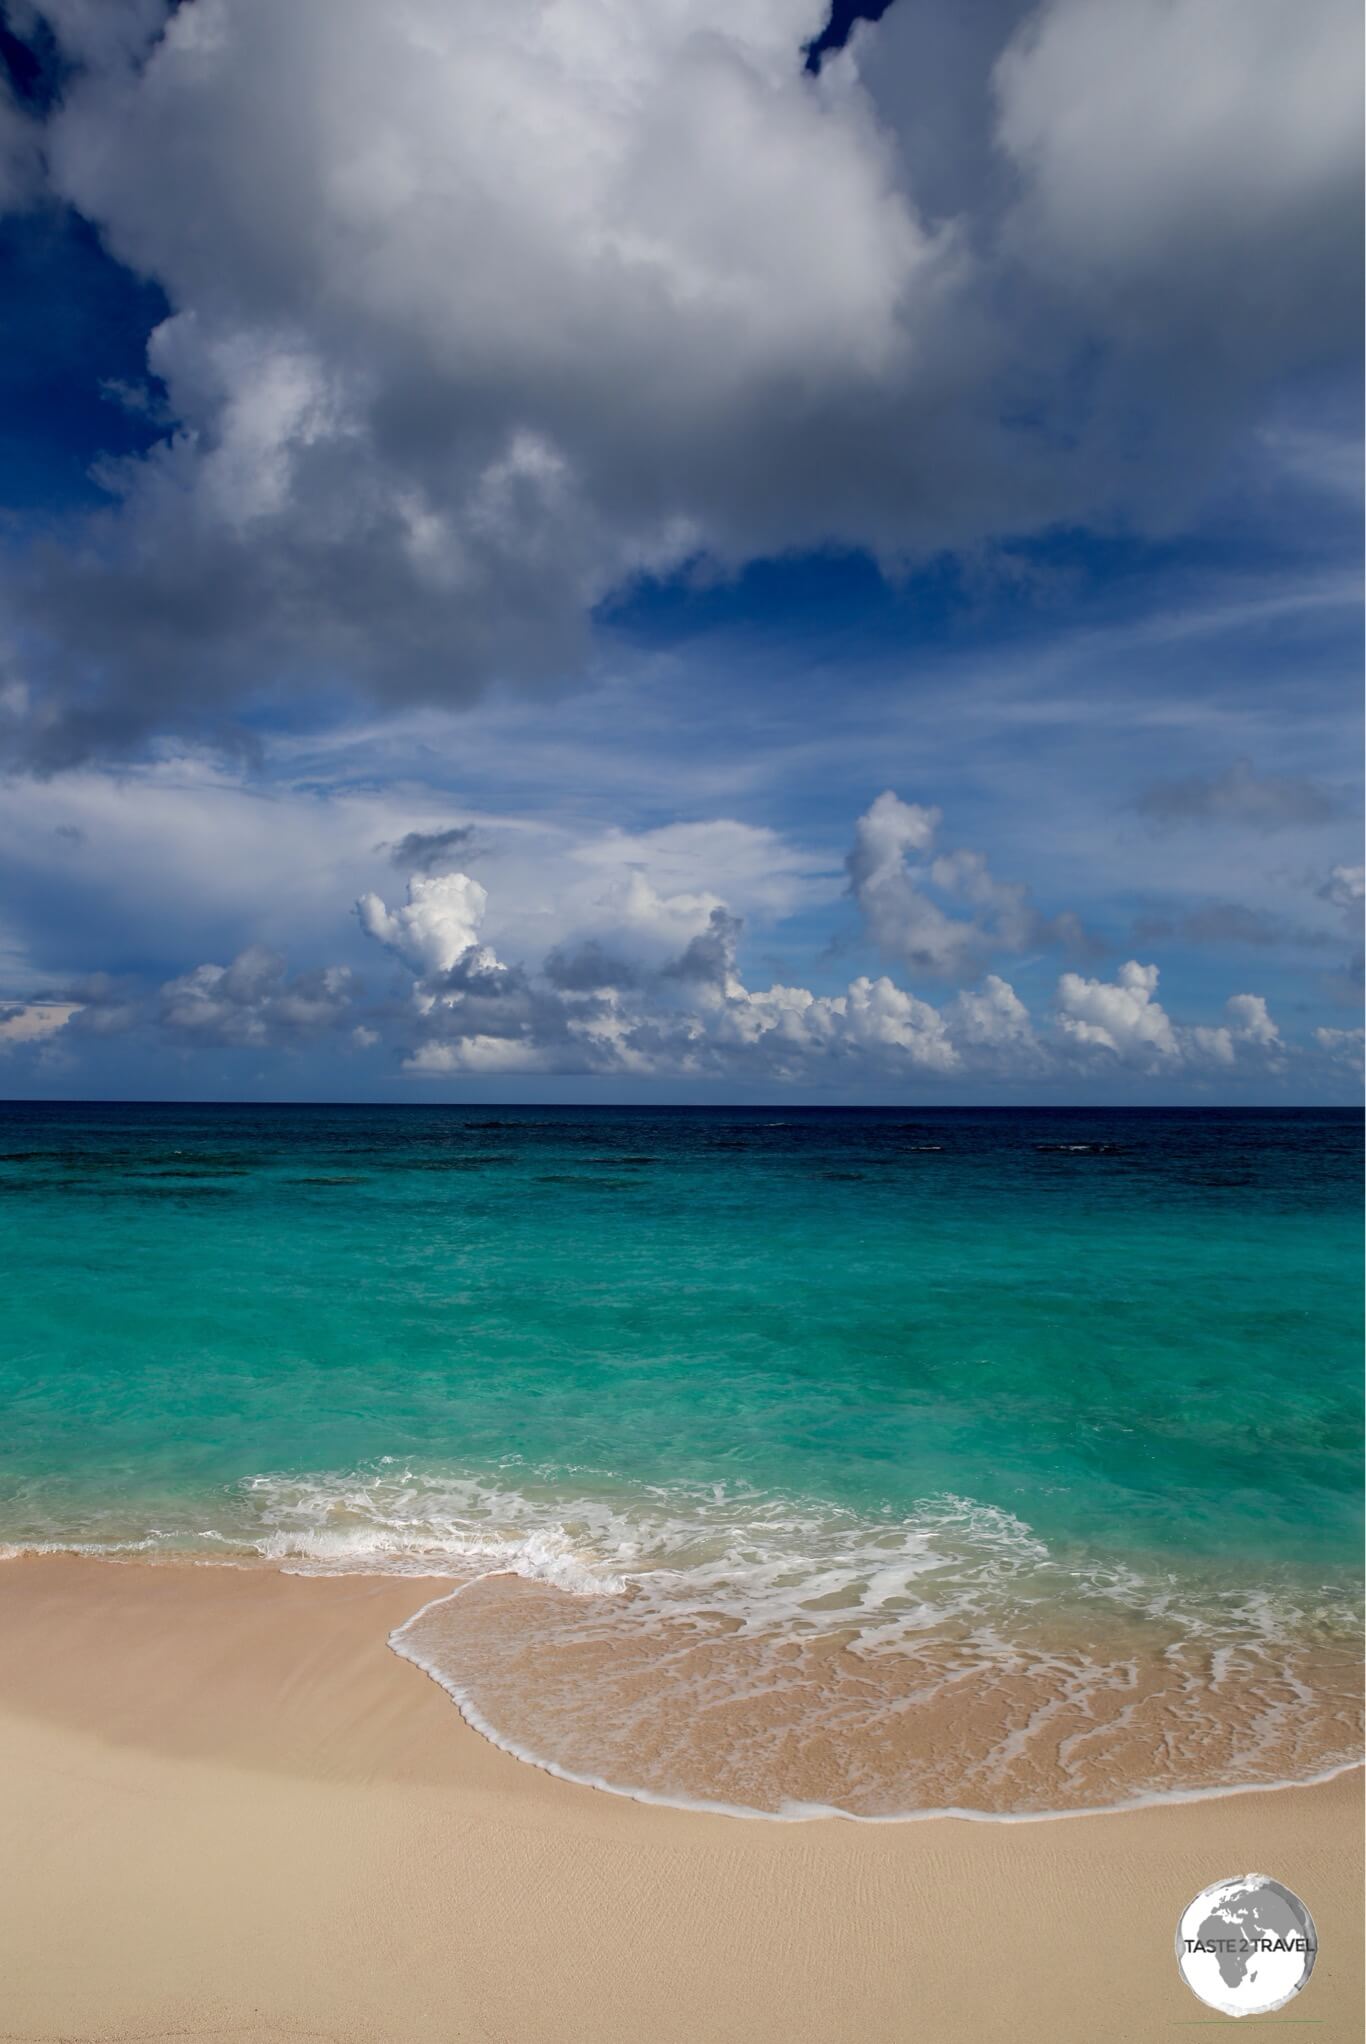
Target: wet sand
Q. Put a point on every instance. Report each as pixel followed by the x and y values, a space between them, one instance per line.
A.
pixel 1079 1710
pixel 230 1811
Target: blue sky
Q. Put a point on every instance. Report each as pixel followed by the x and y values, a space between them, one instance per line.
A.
pixel 587 552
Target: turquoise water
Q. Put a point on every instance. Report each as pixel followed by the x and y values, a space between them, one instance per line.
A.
pixel 942 1375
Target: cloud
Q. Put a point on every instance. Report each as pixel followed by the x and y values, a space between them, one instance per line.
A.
pixel 478 1055
pixel 789 1033
pixel 629 1005
pixel 21 161
pixel 1184 171
pixel 694 1015
pixel 182 858
pixel 468 1001
pixel 25 1023
pixel 1122 1016
pixel 1228 922
pixel 537 315
pixel 618 954
pixel 663 885
pixel 1321 460
pixel 888 886
pixel 995 1020
pixel 106 1004
pixel 253 1002
pixel 1248 1028
pixel 689 1014
pixel 435 927
pixel 1345 887
pixel 429 851
pixel 1124 1019
pixel 480 314
pixel 582 947
pixel 880 1016
pixel 587 968
pixel 96 32
pixel 1239 796
pixel 710 958
pixel 892 869
pixel 1346 1047
pixel 1250 1021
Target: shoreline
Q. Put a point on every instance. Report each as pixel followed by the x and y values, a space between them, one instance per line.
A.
pixel 819 1812
pixel 233 1809
pixel 149 1555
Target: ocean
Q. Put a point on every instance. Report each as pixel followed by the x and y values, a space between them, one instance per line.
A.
pixel 779 1461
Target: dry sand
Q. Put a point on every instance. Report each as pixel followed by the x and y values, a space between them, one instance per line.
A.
pixel 228 1811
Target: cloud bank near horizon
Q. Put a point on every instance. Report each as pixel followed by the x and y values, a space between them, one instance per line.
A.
pixel 640 981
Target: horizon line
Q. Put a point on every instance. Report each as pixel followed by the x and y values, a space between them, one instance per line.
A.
pixel 745 1106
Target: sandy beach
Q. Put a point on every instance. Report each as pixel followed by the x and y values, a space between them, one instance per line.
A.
pixel 230 1811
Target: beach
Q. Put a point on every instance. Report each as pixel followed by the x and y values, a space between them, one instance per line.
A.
pixel 231 1811
pixel 681 978
pixel 821 1612
pixel 803 1462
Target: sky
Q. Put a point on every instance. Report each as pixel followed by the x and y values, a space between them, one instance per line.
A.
pixel 691 550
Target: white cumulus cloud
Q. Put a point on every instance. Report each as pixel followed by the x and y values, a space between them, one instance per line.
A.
pixel 438 924
pixel 1248 1028
pixel 1122 1015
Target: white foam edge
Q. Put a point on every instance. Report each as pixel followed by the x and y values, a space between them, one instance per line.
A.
pixel 802 1813
pixel 792 1813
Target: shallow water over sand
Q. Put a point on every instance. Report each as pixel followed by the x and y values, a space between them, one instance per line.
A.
pixel 874 1460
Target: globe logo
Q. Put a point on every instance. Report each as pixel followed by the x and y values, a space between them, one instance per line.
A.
pixel 1246 1946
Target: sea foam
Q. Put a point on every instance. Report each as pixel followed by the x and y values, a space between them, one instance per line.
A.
pixel 721 1648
